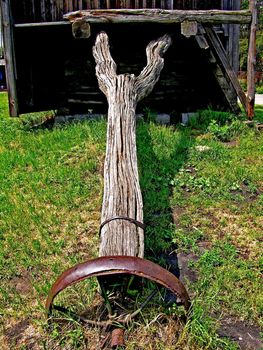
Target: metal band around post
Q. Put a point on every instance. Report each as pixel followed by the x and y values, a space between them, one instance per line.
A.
pixel 133 221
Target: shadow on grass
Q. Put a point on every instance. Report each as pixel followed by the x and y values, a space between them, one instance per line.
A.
pixel 161 153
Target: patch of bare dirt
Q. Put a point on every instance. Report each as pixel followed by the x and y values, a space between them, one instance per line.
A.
pixel 187 273
pixel 231 144
pixel 22 283
pixel 247 336
pixel 176 214
pixel 22 335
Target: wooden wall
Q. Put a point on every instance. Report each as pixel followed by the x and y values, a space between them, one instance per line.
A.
pixel 55 70
pixel 26 11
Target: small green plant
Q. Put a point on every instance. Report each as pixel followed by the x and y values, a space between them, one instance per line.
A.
pixel 259 89
pixel 226 132
pixel 203 118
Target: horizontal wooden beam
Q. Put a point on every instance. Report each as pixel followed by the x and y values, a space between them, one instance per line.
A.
pixel 40 24
pixel 160 16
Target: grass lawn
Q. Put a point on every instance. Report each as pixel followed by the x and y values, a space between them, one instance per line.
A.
pixel 202 189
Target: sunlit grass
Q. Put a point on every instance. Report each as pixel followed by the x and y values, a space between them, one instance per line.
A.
pixel 50 201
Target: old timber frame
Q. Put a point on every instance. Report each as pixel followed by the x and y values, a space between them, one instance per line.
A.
pixel 215 31
pixel 201 23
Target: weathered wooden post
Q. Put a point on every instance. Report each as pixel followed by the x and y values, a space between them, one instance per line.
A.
pixel 121 230
pixel 122 209
pixel 251 61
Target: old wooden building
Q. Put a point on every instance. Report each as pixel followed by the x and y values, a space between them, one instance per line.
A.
pixel 49 68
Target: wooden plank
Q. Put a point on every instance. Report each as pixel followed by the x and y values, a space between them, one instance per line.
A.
pixel 33 10
pixel 70 5
pixel 40 24
pixel 221 56
pixel 60 10
pixel 43 10
pixel 162 16
pixel 251 63
pixel 96 4
pixel 52 9
pixel 7 30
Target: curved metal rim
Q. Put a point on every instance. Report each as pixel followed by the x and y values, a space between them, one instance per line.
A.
pixel 109 265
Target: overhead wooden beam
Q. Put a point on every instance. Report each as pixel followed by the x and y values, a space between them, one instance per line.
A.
pixel 251 62
pixel 160 16
pixel 221 55
pixel 9 54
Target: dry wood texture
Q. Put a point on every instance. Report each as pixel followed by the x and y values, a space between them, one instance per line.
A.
pixel 122 194
pixel 161 16
pixel 251 62
pixel 8 38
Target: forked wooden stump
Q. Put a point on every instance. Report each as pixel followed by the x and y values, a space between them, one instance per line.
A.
pixel 122 236
pixel 122 208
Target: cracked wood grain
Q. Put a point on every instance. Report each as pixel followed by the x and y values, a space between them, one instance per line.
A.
pixel 122 194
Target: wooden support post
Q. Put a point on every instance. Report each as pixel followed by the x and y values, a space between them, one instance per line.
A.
pixel 222 58
pixel 7 29
pixel 122 194
pixel 251 62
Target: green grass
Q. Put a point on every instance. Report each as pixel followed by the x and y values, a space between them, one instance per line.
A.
pixel 50 199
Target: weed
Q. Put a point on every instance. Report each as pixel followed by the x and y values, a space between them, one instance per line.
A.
pixel 226 132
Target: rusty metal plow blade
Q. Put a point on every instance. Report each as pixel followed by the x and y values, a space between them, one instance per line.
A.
pixel 116 265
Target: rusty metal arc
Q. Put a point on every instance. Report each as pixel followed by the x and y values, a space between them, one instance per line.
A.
pixel 109 265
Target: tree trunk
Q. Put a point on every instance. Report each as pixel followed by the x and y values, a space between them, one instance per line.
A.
pixel 122 208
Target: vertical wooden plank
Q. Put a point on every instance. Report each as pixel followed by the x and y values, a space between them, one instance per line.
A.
pixel 251 62
pixel 80 5
pixel 137 4
pixel 75 5
pixel 8 39
pixel 59 9
pixel 235 39
pixel 52 9
pixel 43 10
pixel 33 11
pixel 171 4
